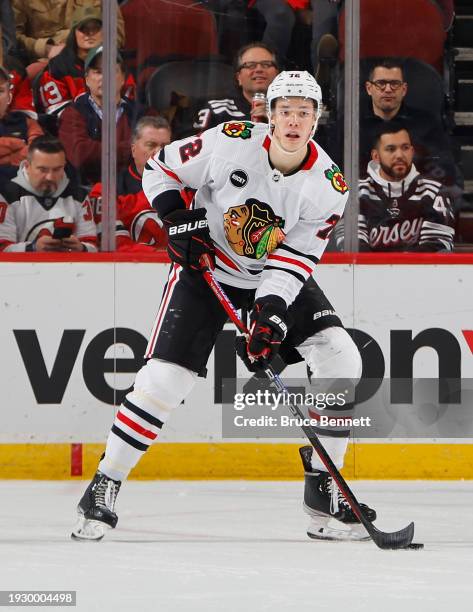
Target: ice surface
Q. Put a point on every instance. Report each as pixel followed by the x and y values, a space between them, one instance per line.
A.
pixel 238 546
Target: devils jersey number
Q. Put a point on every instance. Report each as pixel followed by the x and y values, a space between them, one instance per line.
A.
pixel 191 149
pixel 326 231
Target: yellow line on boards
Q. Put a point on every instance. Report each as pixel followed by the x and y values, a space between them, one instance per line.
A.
pixel 242 461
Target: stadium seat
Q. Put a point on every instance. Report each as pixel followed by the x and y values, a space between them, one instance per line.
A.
pixel 406 28
pixel 157 29
pixel 193 78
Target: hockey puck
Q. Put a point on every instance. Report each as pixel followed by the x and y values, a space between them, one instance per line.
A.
pixel 415 546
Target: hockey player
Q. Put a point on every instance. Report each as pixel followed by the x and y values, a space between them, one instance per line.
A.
pixel 267 199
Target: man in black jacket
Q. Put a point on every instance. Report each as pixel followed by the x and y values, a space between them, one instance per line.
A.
pixel 387 88
pixel 255 68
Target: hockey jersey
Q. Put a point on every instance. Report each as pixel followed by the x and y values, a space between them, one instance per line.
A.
pixel 220 110
pixel 269 229
pixel 137 222
pixel 25 215
pixel 412 214
pixel 62 81
pixel 22 94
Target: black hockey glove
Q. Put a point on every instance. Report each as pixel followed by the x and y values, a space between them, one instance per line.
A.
pixel 188 237
pixel 268 329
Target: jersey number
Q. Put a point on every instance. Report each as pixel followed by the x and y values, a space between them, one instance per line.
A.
pixel 191 149
pixel 50 94
pixel 326 231
pixel 88 216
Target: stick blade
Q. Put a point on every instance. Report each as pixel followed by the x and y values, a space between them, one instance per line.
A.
pixel 393 540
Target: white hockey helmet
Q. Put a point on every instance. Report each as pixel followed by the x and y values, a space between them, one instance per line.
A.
pixel 294 83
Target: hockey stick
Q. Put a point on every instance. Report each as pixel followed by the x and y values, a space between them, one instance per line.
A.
pixel 384 540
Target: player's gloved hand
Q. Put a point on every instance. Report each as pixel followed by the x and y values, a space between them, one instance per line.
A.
pixel 268 329
pixel 188 237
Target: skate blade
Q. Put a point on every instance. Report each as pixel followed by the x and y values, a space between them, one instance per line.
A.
pixel 86 529
pixel 328 528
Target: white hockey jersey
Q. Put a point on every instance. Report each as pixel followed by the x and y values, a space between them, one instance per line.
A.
pixel 26 215
pixel 269 229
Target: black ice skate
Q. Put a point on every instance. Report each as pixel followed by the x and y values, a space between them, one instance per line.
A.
pixel 331 515
pixel 96 508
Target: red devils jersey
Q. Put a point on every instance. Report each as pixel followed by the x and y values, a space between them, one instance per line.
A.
pixel 63 80
pixel 22 94
pixel 134 210
pixel 137 223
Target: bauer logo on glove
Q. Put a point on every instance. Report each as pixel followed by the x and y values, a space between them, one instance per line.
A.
pixel 188 227
pixel 189 238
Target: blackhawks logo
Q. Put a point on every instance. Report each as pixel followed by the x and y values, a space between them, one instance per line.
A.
pixel 237 129
pixel 252 229
pixel 337 179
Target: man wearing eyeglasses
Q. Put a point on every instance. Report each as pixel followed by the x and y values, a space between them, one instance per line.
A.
pixel 386 87
pixel 387 90
pixel 255 68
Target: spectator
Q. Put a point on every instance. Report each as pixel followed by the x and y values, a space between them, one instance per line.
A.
pixel 17 130
pixel 255 67
pixel 232 25
pixel 80 125
pixel 40 210
pixel 401 210
pixel 280 19
pixel 324 45
pixel 20 85
pixel 138 225
pixel 387 89
pixel 63 79
pixel 42 27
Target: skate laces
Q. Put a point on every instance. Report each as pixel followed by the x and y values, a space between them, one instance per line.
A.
pixel 106 492
pixel 337 498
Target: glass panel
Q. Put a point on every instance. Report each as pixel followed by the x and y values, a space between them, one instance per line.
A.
pixel 328 61
pixel 411 182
